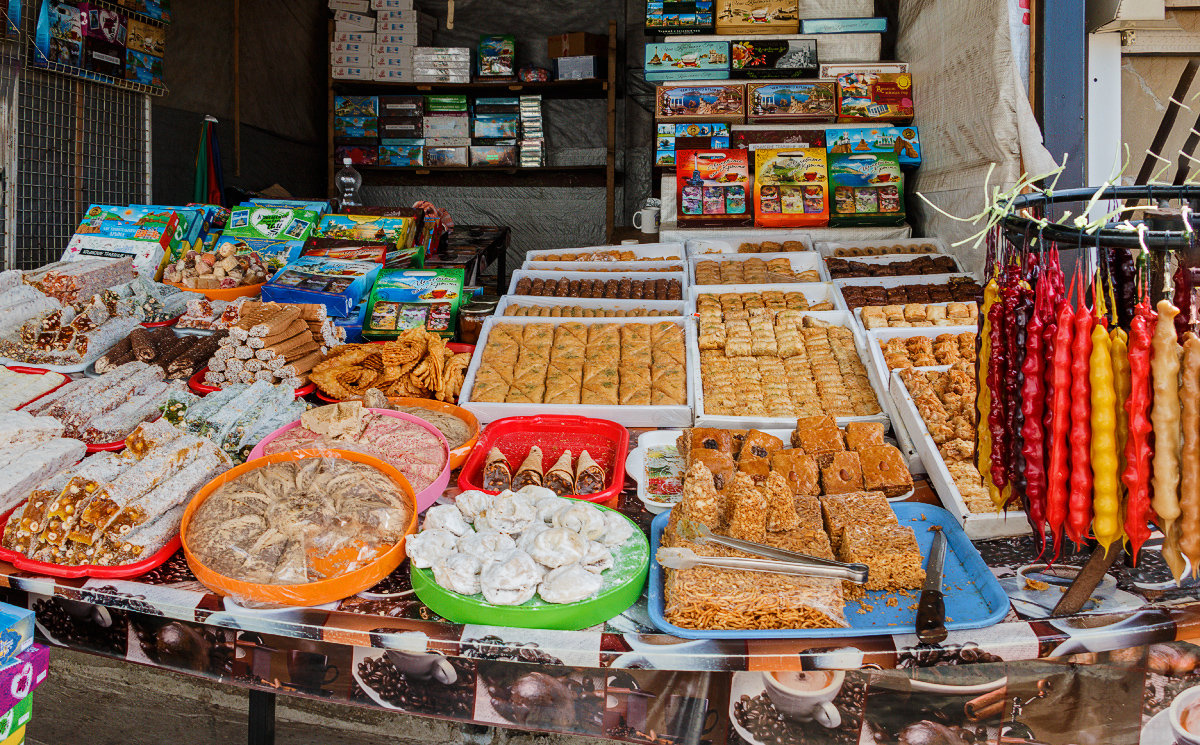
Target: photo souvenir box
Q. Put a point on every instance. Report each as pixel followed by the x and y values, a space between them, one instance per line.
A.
pixel 701 103
pixel 791 188
pixel 868 189
pixel 903 142
pixel 276 234
pixel 687 60
pixel 711 187
pixel 398 232
pixel 59 34
pixel 679 16
pixel 758 57
pixel 757 16
pixel 403 299
pixel 688 136
pixel 875 97
pixel 791 101
pixel 338 284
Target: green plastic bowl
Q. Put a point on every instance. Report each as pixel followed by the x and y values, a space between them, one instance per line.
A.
pixel 620 590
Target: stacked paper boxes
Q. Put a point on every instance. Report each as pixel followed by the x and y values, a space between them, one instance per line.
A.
pixel 23 667
pixel 375 39
pixel 533 133
pixel 442 64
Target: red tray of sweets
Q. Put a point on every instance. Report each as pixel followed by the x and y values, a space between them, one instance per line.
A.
pixel 452 346
pixel 200 389
pixel 607 442
pixel 48 569
pixel 38 371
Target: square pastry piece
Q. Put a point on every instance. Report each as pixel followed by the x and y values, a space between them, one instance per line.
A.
pixel 890 552
pixel 855 508
pixel 818 436
pixel 884 469
pixel 843 474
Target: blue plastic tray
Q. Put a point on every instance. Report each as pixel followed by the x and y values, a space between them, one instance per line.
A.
pixel 973 596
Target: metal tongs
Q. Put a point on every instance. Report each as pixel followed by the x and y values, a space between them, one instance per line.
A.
pixel 777 560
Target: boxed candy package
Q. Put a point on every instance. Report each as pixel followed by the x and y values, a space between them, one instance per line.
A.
pixel 403 299
pixel 791 101
pixel 751 136
pixel 276 234
pixel 59 33
pixel 711 187
pixel 496 57
pixel 688 60
pixel 757 16
pixel 144 68
pixel 769 57
pixel 338 284
pixel 146 233
pixel 402 152
pixel 292 204
pixel 359 155
pixel 399 233
pixel 903 142
pixel 374 252
pixel 791 187
pixel 719 103
pixel 22 675
pixel 146 38
pixel 690 136
pixel 875 97
pixel 356 105
pixel 679 16
pixel 868 189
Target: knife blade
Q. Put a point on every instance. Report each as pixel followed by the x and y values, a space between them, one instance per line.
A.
pixel 931 608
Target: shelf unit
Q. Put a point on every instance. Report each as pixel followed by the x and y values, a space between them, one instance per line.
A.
pixel 591 176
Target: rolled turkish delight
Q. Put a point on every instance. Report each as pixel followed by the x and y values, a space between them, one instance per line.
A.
pixel 18 479
pixel 121 421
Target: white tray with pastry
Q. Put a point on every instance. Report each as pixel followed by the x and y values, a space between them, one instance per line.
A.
pixel 818 296
pixel 957 483
pixel 633 371
pixel 771 268
pixel 601 254
pixel 864 266
pixel 763 375
pixel 599 285
pixel 673 265
pixel 578 307
pixel 909 247
pixel 917 315
pixel 750 241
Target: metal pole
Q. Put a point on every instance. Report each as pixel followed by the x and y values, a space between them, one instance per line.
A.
pixel 261 730
pixel 1061 94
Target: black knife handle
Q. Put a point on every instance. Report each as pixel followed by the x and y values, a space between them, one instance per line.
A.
pixel 931 617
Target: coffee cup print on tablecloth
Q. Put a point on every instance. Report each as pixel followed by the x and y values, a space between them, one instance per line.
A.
pixel 819 706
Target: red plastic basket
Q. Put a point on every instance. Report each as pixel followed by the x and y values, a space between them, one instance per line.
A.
pixel 160 324
pixel 200 389
pixel 607 442
pixel 452 346
pixel 38 371
pixel 47 569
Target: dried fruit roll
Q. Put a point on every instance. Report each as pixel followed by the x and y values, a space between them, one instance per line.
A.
pixel 983 398
pixel 1079 501
pixel 1060 421
pixel 1106 501
pixel 1164 416
pixel 1189 484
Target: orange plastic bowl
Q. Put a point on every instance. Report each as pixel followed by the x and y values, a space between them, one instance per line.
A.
pixel 458 456
pixel 232 293
pixel 310 593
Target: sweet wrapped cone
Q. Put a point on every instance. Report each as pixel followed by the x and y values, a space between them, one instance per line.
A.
pixel 589 476
pixel 531 470
pixel 560 479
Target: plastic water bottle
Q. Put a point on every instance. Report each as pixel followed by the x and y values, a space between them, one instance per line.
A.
pixel 348 182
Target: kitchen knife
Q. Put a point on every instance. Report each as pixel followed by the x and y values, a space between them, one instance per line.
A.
pixel 931 608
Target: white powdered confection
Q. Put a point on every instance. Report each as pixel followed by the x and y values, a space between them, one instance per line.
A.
pixel 583 518
pixel 511 514
pixel 535 493
pixel 551 506
pixel 458 573
pixel 598 558
pixel 569 584
pixel 446 517
pixel 486 545
pixel 525 540
pixel 472 504
pixel 19 428
pixel 511 579
pixel 558 546
pixel 18 478
pixel 617 529
pixel 430 546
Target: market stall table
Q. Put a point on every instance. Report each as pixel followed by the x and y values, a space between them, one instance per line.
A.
pixel 384 649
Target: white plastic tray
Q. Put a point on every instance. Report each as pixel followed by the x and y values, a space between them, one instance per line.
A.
pixel 728 242
pixel 830 247
pixel 814 292
pixel 675 307
pixel 800 261
pixel 536 273
pixel 920 279
pixel 672 231
pixel 976 524
pixel 630 416
pixel 875 336
pixel 889 259
pixel 603 267
pixel 642 250
pixel 858 319
pixel 834 317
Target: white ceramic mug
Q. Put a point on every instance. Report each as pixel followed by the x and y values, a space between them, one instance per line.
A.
pixel 646 220
pixel 1186 710
pixel 796 696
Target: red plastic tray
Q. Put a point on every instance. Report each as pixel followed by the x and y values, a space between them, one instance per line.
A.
pixel 200 389
pixel 45 568
pixel 452 346
pixel 38 371
pixel 607 442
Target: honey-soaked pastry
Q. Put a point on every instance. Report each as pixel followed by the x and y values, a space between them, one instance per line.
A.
pixel 718 463
pixel 760 444
pixel 799 469
pixel 747 510
pixel 756 468
pixel 842 474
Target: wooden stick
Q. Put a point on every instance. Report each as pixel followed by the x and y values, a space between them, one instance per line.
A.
pixel 1087 581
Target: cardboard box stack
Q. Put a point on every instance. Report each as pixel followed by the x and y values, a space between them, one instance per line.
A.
pixel 533 133
pixel 23 667
pixel 103 40
pixel 375 39
pixel 442 64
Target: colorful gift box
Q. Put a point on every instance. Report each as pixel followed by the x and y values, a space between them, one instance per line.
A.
pixel 20 678
pixel 147 233
pixel 698 103
pixel 791 188
pixel 711 187
pixel 398 232
pixel 903 142
pixel 338 284
pixel 276 234
pixel 687 60
pixel 793 101
pixel 414 298
pixel 868 189
pixel 875 97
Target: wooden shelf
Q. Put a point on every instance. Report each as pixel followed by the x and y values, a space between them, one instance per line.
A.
pixel 575 175
pixel 549 89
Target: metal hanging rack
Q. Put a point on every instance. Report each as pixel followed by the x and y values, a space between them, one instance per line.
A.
pixel 1016 224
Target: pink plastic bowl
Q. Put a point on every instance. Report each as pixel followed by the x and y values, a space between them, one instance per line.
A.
pixel 426 497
